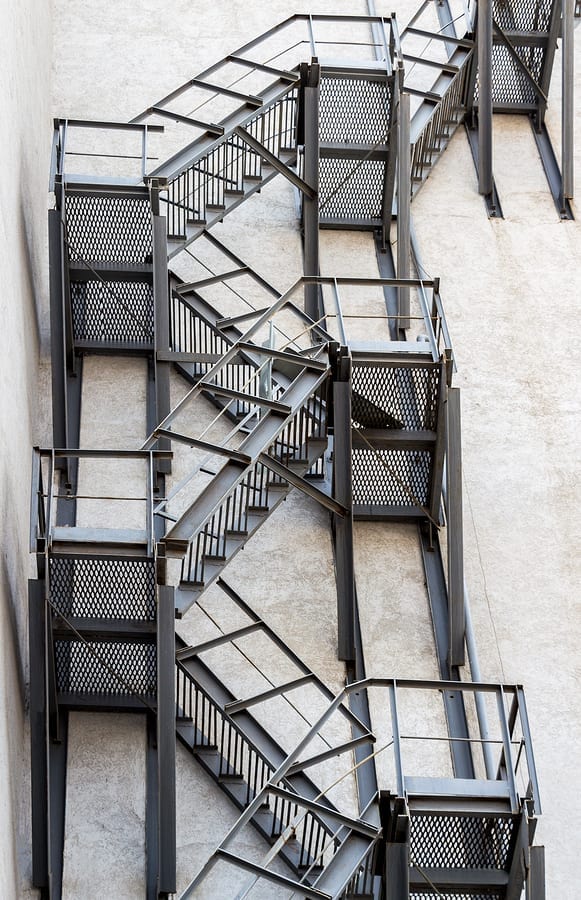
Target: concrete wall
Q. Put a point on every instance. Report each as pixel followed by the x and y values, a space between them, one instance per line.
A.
pixel 501 282
pixel 25 75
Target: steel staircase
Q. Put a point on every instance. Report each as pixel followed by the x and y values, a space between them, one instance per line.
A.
pixel 287 438
pixel 235 749
pixel 105 646
pixel 439 76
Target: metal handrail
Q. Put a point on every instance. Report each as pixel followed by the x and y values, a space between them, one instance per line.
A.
pixel 60 140
pixel 43 497
pixel 238 756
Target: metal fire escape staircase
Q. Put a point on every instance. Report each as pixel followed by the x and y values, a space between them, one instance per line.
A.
pixel 235 749
pixel 290 386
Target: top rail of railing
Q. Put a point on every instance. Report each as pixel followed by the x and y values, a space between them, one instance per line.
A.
pixel 68 143
pixel 128 494
pixel 509 735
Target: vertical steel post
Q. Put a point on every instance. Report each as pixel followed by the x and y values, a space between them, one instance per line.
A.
pixel 456 615
pixel 403 204
pixel 38 733
pixel 151 809
pixel 57 333
pixel 166 741
pixel 161 339
pixel 535 884
pixel 343 492
pixel 397 884
pixel 567 104
pixel 311 75
pixel 485 96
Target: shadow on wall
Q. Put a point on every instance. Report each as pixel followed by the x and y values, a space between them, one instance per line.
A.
pixel 33 253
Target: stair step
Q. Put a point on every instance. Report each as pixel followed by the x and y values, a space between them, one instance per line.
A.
pixel 218 207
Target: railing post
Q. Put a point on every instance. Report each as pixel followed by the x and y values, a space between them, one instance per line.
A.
pixel 166 741
pixel 454 531
pixel 57 333
pixel 343 492
pixel 535 884
pixel 568 107
pixel 38 734
pixel 161 341
pixel 485 97
pixel 311 78
pixel 403 204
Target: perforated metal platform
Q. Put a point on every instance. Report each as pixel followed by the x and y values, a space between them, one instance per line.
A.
pixel 355 125
pixel 395 410
pixel 103 588
pixel 103 226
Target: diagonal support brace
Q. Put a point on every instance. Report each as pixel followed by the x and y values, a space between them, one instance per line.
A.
pixel 275 162
pixel 269 462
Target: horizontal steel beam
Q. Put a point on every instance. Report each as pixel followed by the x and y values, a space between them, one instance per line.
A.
pixel 233 455
pixel 195 650
pixel 249 99
pixel 332 753
pixel 209 127
pixel 357 825
pixel 269 875
pixel 238 705
pixel 252 399
pixel 189 286
pixel 458 879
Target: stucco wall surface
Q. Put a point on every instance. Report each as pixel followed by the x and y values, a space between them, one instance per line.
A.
pixel 510 290
pixel 25 54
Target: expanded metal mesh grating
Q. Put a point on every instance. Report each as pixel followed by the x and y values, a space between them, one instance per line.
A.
pixel 103 588
pixel 108 228
pixel 389 477
pixel 112 311
pixel 460 842
pixel 522 15
pixel 350 189
pixel 354 110
pixel 395 397
pixel 509 82
pixel 105 667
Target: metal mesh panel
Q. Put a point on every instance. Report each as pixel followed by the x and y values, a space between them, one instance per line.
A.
pixel 522 15
pixel 350 189
pixel 463 842
pixel 112 311
pixel 89 668
pixel 391 477
pixel 103 588
pixel 395 397
pixel 509 83
pixel 109 228
pixel 354 110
